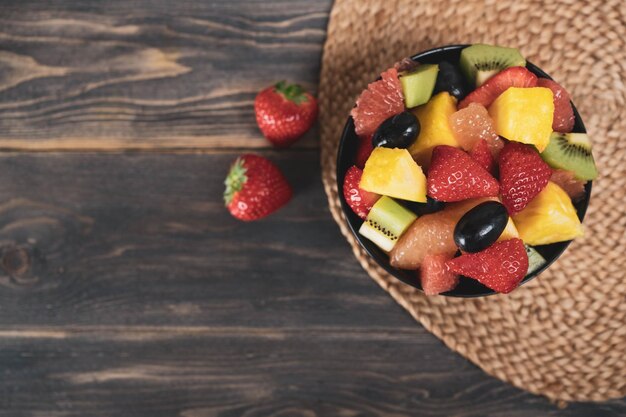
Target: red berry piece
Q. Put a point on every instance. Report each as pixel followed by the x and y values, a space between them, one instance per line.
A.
pixel 481 154
pixel 498 84
pixel 364 151
pixel 501 267
pixel 360 201
pixel 455 176
pixel 523 174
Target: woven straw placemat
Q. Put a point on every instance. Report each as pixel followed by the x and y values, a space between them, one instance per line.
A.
pixel 563 335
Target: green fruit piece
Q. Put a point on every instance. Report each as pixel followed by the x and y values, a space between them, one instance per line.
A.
pixel 386 222
pixel 572 152
pixel 418 85
pixel 480 62
pixel 535 260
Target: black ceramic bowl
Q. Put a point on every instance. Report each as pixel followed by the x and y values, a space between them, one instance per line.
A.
pixel 467 287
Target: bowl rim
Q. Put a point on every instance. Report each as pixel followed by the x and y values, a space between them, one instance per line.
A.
pixel 347 212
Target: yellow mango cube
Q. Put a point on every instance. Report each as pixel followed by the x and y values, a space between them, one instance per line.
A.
pixel 524 115
pixel 435 127
pixel 509 232
pixel 394 173
pixel 549 218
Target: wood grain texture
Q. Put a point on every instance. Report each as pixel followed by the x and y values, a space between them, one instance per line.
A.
pixel 146 240
pixel 141 296
pixel 341 372
pixel 125 287
pixel 143 74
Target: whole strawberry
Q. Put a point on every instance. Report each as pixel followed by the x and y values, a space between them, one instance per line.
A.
pixel 284 112
pixel 255 188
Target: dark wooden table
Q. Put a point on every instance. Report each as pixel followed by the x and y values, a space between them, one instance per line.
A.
pixel 126 289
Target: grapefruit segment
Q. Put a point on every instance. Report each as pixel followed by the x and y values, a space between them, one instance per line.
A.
pixel 381 100
pixel 435 275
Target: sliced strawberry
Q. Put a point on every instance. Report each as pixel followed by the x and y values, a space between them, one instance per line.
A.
pixel 381 100
pixel 481 154
pixel 364 151
pixel 563 112
pixel 498 84
pixel 501 267
pixel 523 174
pixel 435 275
pixel 360 201
pixel 455 176
pixel 574 187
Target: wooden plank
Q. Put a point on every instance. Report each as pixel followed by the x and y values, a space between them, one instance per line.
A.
pixel 145 239
pixel 256 372
pixel 149 74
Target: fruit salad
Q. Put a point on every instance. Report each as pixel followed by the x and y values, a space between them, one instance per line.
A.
pixel 464 168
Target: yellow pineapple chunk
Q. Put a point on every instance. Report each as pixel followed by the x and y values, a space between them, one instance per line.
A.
pixel 524 115
pixel 549 218
pixel 435 127
pixel 394 173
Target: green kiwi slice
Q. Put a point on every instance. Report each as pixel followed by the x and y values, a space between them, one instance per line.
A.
pixel 479 62
pixel 417 86
pixel 572 152
pixel 386 222
pixel 535 260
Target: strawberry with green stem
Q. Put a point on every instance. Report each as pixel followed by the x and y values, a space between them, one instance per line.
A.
pixel 255 188
pixel 284 112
